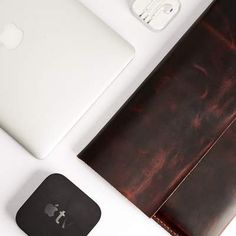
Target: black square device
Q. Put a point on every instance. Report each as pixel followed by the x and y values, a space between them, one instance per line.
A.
pixel 58 208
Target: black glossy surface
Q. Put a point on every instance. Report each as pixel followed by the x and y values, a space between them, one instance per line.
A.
pixel 58 208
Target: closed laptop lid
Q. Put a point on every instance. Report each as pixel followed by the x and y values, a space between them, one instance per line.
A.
pixel 56 59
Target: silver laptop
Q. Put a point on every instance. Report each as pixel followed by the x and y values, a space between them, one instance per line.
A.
pixel 56 59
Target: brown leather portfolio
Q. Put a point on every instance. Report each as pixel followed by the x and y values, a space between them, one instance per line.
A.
pixel 171 149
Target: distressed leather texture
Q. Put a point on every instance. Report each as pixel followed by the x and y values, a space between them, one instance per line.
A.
pixel 206 202
pixel 171 123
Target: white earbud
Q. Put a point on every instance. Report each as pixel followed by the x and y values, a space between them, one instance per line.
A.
pixel 156 14
pixel 167 8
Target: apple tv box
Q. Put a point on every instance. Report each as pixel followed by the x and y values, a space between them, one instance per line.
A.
pixel 58 208
pixel 56 59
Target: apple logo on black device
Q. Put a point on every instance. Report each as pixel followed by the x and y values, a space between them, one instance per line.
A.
pixel 51 209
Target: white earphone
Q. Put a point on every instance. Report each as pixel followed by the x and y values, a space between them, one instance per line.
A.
pixel 156 14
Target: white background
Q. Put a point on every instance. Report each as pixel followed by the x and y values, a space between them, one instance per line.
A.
pixel 20 173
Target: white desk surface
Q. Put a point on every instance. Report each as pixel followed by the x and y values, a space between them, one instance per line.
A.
pixel 21 174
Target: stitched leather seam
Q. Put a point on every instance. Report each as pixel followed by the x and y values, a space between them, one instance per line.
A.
pixel 165 226
pixel 199 162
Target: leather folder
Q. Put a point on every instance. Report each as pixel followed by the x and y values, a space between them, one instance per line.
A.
pixel 171 149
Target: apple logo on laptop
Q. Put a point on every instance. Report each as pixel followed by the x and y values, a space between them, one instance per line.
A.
pixel 11 36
